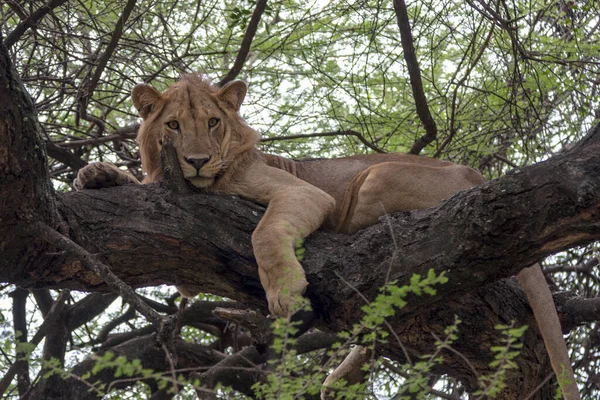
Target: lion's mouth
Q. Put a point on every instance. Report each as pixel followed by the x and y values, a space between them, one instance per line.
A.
pixel 200 181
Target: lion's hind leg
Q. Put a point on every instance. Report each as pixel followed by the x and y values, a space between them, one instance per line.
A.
pixel 391 187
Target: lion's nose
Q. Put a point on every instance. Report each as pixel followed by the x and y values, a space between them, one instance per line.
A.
pixel 196 162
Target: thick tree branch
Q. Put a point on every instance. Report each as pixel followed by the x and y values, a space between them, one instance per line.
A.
pixel 151 236
pixel 55 311
pixel 552 204
pixel 414 72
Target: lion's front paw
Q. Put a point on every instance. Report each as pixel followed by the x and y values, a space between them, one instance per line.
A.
pixel 101 175
pixel 286 299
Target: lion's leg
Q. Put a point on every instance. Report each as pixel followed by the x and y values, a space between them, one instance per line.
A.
pixel 540 298
pixel 394 187
pixel 101 175
pixel 292 215
pixel 295 210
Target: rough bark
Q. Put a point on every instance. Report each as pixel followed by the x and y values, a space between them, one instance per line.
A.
pixel 151 236
pixel 25 191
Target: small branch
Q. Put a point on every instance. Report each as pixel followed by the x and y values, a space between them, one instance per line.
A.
pixel 64 156
pixel 238 371
pixel 582 310
pixel 31 21
pixel 414 73
pixel 44 300
pixel 584 268
pixel 91 263
pixel 89 308
pixel 126 132
pixel 258 325
pixel 505 160
pixel 314 341
pixel 246 43
pixel 348 132
pixel 113 323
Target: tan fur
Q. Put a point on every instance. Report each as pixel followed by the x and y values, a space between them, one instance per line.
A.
pixel 345 194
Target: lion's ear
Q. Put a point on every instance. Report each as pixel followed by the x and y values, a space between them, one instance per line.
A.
pixel 144 98
pixel 233 93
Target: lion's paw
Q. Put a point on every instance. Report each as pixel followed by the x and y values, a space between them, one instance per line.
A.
pixel 101 175
pixel 286 300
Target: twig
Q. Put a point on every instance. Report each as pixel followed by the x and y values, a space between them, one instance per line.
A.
pixel 31 21
pixel 347 132
pixel 246 43
pixel 414 73
pixel 505 160
pixel 126 132
pixel 453 129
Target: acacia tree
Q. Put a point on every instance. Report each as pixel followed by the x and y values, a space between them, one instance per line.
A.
pixel 493 85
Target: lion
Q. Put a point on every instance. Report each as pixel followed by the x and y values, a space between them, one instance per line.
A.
pixel 216 150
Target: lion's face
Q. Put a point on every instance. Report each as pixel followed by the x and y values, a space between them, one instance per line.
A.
pixel 202 122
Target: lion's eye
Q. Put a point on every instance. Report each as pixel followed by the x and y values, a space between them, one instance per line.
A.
pixel 213 122
pixel 173 125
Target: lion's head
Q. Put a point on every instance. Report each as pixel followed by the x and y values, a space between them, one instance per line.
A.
pixel 201 120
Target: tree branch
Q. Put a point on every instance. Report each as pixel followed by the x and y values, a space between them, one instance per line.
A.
pixel 152 236
pixel 56 310
pixel 347 132
pixel 101 270
pixel 88 87
pixel 20 29
pixel 65 156
pixel 126 132
pixel 414 72
pixel 246 43
pixel 19 297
